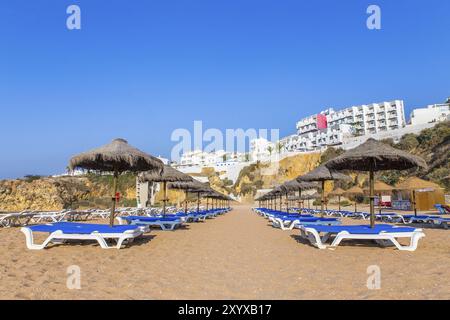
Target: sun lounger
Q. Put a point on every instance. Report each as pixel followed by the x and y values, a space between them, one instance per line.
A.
pixel 295 222
pixel 16 219
pixel 428 219
pixel 165 223
pixel 60 232
pixel 318 235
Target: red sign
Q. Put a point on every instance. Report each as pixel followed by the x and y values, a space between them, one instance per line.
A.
pixel 117 196
pixel 322 122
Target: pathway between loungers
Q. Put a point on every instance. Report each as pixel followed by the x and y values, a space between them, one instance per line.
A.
pixel 236 256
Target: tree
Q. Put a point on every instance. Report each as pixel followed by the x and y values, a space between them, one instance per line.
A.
pixel 247 157
pixel 224 158
pixel 280 147
pixel 408 142
pixel 270 149
pixel 448 100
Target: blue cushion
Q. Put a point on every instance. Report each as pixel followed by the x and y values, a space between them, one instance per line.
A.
pixel 80 228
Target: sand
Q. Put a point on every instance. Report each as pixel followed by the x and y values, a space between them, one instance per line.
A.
pixel 236 256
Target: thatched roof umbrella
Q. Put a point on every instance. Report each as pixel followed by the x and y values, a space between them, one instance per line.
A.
pixel 354 191
pixel 308 197
pixel 323 174
pixel 415 184
pixel 379 188
pixel 375 156
pixel 168 174
pixel 294 186
pixel 116 157
pixel 338 193
pixel 193 186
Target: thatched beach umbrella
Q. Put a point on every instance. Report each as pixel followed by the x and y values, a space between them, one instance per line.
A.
pixel 379 188
pixel 338 193
pixel 354 191
pixel 297 186
pixel 323 174
pixel 116 157
pixel 168 174
pixel 375 156
pixel 415 184
pixel 193 186
pixel 308 197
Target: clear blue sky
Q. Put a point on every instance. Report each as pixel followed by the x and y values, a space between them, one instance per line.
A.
pixel 140 69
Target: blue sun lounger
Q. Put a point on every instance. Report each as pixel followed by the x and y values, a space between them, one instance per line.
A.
pixel 289 223
pixel 165 223
pixel 59 232
pixel 383 234
pixel 427 219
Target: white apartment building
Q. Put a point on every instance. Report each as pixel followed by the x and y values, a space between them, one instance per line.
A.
pixel 330 127
pixel 430 114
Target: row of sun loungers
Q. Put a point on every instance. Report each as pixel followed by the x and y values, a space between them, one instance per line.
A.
pixel 329 232
pixel 432 220
pixel 131 227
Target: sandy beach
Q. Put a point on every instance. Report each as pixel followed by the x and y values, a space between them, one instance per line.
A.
pixel 236 256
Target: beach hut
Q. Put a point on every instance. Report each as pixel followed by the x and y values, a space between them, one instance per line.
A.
pixel 374 156
pixel 354 192
pixel 168 174
pixel 322 174
pixel 116 157
pixel 423 194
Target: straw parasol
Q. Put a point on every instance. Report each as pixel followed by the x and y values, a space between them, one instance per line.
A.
pixel 379 188
pixel 295 185
pixel 168 174
pixel 193 186
pixel 116 157
pixel 373 156
pixel 308 197
pixel 354 191
pixel 323 174
pixel 415 184
pixel 338 193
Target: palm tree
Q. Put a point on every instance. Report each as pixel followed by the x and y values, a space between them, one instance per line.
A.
pixel 280 146
pixel 270 149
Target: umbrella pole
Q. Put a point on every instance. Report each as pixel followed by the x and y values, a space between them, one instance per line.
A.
pixel 379 202
pixel 322 200
pixel 113 208
pixel 185 201
pixel 414 202
pixel 339 199
pixel 198 202
pixel 372 199
pixel 165 198
pixel 287 203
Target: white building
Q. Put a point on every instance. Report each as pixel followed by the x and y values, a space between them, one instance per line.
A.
pixel 261 149
pixel 430 114
pixel 330 127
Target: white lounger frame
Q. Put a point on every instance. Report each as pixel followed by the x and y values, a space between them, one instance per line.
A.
pixel 314 237
pixel 58 235
pixel 164 225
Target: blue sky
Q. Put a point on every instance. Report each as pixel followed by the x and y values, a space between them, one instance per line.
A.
pixel 140 69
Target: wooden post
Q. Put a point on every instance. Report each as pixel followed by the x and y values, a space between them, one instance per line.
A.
pixel 113 207
pixel 165 198
pixel 372 199
pixel 198 202
pixel 186 201
pixel 414 202
pixel 339 199
pixel 322 200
